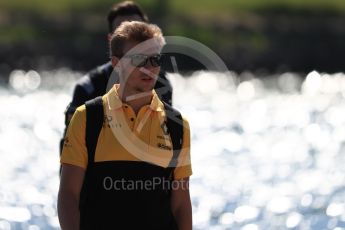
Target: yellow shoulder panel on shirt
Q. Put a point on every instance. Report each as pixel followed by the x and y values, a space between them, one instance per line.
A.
pixel 74 150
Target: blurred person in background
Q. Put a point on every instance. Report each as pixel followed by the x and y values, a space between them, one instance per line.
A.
pixel 94 83
pixel 122 185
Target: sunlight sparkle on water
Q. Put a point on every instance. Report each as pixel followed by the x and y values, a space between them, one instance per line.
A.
pixel 263 157
pixel 17 214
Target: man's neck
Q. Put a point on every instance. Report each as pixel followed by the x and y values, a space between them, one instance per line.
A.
pixel 135 99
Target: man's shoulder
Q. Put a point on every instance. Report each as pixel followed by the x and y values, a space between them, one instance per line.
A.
pixel 170 108
pixel 88 80
pixel 175 113
pixel 102 71
pixel 185 122
pixel 85 83
pixel 78 119
pixel 81 109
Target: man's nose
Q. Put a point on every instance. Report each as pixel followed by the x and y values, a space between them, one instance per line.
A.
pixel 149 72
pixel 149 64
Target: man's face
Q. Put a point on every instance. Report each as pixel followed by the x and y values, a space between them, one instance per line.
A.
pixel 139 79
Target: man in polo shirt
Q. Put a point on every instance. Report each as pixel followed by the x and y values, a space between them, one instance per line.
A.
pixel 128 189
pixel 94 83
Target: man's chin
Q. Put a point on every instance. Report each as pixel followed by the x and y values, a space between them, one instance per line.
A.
pixel 144 89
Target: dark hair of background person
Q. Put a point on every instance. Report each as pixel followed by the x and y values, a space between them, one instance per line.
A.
pixel 124 9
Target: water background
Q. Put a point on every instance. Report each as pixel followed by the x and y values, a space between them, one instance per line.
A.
pixel 267 153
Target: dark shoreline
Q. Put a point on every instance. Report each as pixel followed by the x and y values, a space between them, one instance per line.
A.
pixel 269 41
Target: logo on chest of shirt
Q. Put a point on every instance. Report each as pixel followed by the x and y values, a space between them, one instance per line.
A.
pixel 163 146
pixel 108 122
pixel 164 137
pixel 165 128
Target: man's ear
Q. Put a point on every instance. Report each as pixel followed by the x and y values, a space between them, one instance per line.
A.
pixel 114 61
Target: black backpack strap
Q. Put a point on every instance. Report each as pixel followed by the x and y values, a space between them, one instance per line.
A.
pixel 94 123
pixel 175 128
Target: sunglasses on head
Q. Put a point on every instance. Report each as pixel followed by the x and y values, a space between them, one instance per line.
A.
pixel 140 60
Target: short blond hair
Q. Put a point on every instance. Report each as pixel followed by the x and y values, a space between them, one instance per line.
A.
pixel 133 31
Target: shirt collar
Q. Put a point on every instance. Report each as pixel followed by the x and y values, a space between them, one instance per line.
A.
pixel 114 101
pixel 156 104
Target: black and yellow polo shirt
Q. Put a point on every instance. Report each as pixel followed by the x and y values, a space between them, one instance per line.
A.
pixel 125 186
pixel 127 137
